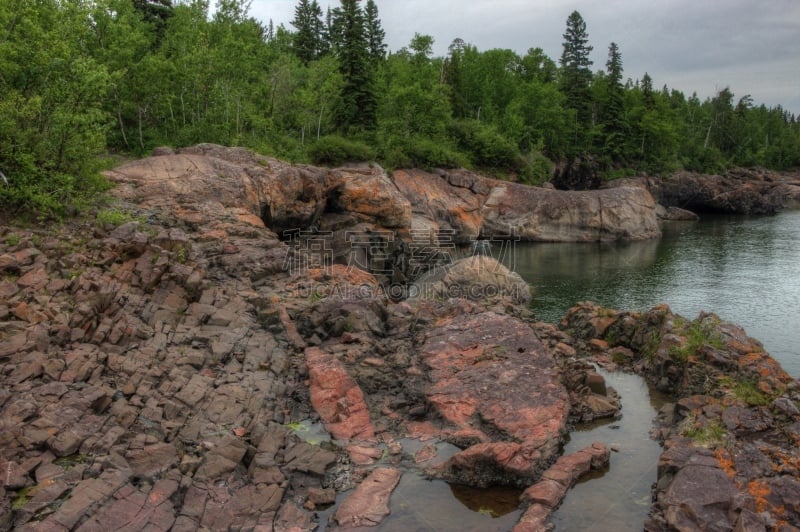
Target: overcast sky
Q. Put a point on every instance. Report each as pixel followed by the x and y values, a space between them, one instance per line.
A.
pixel 751 46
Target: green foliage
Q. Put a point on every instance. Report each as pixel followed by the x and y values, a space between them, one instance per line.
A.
pixel 419 152
pixel 334 150
pixel 489 149
pixel 356 109
pixel 710 433
pixel 112 217
pixel 536 168
pixel 650 345
pixel 309 39
pixel 576 78
pixel 747 391
pixel 698 334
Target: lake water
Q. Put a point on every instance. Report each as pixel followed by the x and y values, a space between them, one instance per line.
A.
pixel 744 269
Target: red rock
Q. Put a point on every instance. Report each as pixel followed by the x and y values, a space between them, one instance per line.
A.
pixel 596 383
pixel 8 263
pixel 33 279
pixel 152 460
pixel 546 492
pixel 598 344
pixel 491 375
pixel 363 454
pixel 368 504
pixel 425 454
pixel 533 520
pixel 337 398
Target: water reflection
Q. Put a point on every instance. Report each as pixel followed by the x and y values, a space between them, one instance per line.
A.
pixel 745 269
pixel 617 498
pixel 420 504
pixel 494 502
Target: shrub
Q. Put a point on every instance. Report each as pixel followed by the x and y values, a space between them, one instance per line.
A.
pixel 334 151
pixel 487 147
pixel 536 169
pixel 111 217
pixel 48 194
pixel 417 152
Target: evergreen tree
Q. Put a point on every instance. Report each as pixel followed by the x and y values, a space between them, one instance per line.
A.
pixel 647 91
pixel 451 76
pixel 576 76
pixel 309 38
pixel 357 104
pixel 375 33
pixel 613 111
pixel 156 11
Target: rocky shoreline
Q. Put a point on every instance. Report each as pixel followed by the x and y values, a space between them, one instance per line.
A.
pixel 159 374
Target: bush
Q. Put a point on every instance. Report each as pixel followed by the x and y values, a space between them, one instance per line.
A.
pixel 417 152
pixel 487 147
pixel 536 169
pixel 335 151
pixel 49 195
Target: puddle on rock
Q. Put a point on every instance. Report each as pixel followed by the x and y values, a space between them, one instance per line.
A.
pixel 618 498
pixel 420 504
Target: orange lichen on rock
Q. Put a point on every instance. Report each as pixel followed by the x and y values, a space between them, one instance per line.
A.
pixel 726 462
pixel 760 490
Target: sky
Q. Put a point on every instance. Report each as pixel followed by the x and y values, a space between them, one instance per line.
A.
pixel 702 46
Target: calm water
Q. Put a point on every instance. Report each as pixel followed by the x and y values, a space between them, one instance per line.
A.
pixel 745 269
pixel 617 499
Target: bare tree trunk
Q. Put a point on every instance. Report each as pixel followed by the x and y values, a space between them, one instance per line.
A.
pixel 122 125
pixel 141 137
pixel 319 120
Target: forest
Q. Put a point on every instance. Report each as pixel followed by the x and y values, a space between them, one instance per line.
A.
pixel 85 81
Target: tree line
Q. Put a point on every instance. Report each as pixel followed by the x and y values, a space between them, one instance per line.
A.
pixel 79 78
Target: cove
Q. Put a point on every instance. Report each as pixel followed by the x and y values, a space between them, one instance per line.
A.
pixel 745 269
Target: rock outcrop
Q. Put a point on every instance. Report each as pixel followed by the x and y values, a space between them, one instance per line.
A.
pixel 197 369
pixel 472 206
pixel 500 395
pixel 537 214
pixel 731 458
pixel 738 191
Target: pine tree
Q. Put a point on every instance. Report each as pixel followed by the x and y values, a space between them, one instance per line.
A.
pixel 452 77
pixel 308 40
pixel 375 33
pixel 156 12
pixel 357 105
pixel 647 91
pixel 613 110
pixel 576 76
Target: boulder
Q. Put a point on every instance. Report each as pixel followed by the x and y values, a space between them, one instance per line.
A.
pixel 478 278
